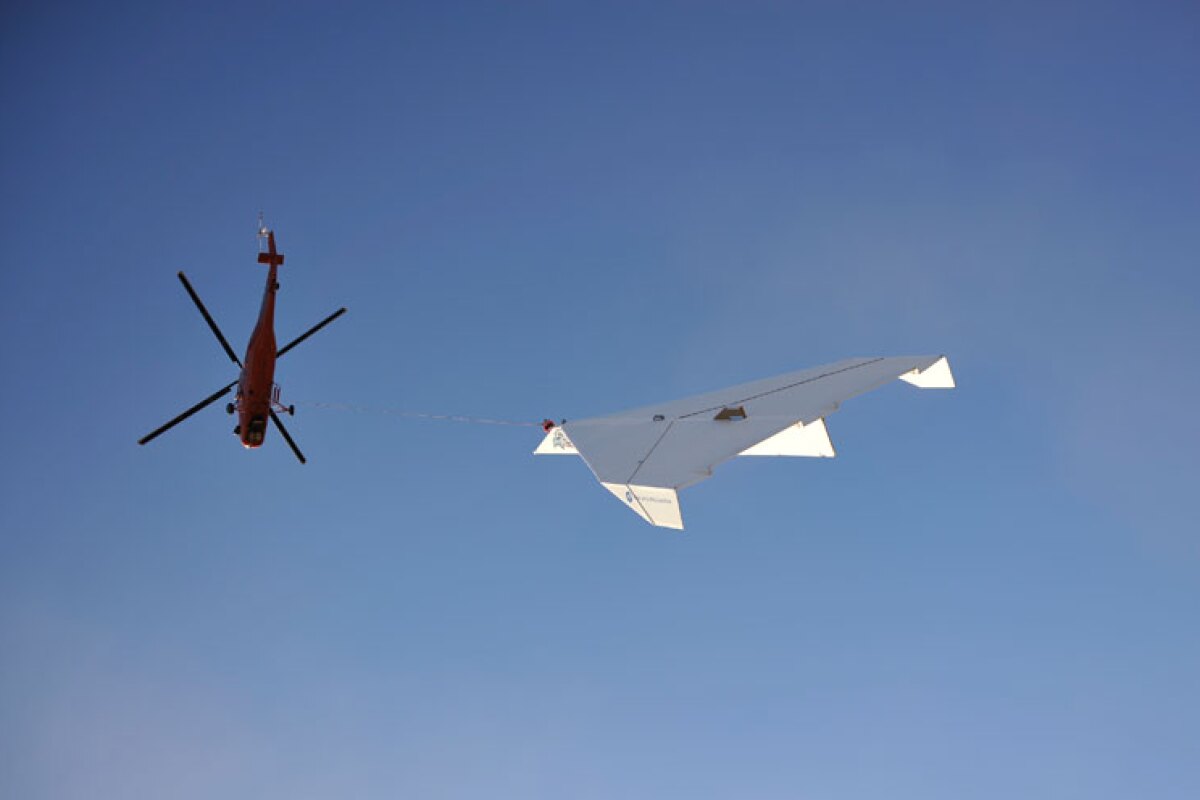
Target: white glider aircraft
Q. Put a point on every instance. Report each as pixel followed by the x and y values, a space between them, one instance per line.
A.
pixel 645 456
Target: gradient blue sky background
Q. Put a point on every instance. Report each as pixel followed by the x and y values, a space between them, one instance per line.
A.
pixel 565 209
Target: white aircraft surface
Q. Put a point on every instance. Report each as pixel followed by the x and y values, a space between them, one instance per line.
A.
pixel 646 455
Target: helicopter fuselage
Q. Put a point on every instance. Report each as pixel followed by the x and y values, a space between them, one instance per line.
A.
pixel 256 385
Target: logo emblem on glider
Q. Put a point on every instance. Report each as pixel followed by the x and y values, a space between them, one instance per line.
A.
pixel 628 496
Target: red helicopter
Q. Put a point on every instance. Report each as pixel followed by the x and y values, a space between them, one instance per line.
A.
pixel 257 393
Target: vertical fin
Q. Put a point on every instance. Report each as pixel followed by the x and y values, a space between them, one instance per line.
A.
pixel 796 440
pixel 657 505
pixel 556 443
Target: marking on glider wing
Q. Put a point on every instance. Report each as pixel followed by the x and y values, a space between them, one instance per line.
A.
pixel 645 513
pixel 646 457
pixel 789 386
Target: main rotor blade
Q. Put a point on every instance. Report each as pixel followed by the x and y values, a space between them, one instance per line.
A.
pixel 310 331
pixel 208 318
pixel 283 430
pixel 217 395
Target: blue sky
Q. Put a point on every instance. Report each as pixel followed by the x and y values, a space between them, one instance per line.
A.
pixel 564 209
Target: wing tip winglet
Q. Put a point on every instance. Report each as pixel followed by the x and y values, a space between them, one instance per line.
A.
pixel 936 376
